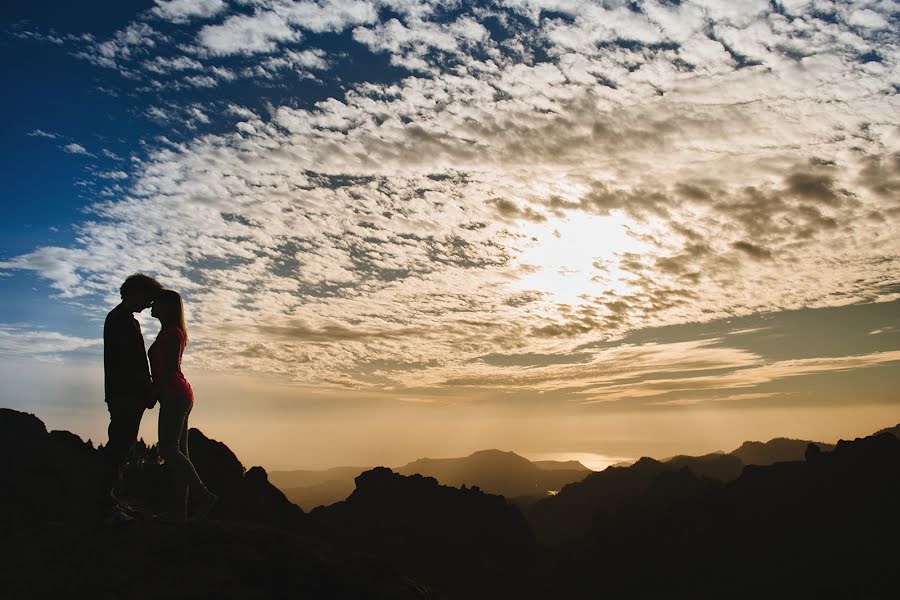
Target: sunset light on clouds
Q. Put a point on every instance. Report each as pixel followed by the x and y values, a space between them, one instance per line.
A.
pixel 406 228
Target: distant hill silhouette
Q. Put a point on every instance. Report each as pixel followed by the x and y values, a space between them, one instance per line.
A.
pixel 497 472
pixel 493 471
pixel 775 450
pixel 561 465
pixel 717 465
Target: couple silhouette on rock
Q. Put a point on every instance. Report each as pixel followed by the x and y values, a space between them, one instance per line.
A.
pixel 133 386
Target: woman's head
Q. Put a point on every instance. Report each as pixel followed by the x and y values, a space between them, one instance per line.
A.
pixel 169 309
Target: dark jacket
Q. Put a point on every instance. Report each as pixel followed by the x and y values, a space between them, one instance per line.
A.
pixel 127 374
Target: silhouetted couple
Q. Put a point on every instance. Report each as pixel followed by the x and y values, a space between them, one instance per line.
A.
pixel 133 386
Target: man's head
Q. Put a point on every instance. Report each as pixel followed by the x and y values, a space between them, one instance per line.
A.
pixel 139 291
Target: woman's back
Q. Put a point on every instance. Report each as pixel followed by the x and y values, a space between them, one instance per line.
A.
pixel 165 363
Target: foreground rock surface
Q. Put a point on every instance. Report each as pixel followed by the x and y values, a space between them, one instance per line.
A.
pixel 254 545
pixel 825 526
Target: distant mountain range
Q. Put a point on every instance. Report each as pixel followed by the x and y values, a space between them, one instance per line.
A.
pixel 517 478
pixel 824 525
pixel 494 471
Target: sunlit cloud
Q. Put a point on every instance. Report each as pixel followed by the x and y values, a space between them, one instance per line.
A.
pixel 18 340
pixel 742 378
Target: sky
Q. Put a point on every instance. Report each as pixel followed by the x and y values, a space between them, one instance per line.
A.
pixel 408 228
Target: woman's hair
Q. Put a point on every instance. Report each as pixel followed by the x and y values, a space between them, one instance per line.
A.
pixel 142 284
pixel 171 308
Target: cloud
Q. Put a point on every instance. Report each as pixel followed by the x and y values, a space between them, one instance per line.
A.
pixel 74 148
pixel 43 134
pixel 813 186
pixel 247 34
pixel 336 332
pixel 603 368
pixel 134 41
pixel 728 398
pixel 120 175
pixel 21 340
pixel 110 154
pixel 726 159
pixel 410 45
pixel 326 15
pixel 181 11
pixel 163 65
pixel 752 250
pixel 201 81
pixel 869 19
pixel 510 210
pixel 59 265
pixel 740 378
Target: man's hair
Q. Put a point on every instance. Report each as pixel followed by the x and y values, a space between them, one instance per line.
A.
pixel 141 283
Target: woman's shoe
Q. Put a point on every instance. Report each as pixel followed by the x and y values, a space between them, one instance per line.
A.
pixel 206 506
pixel 122 504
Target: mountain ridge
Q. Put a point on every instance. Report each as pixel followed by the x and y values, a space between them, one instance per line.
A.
pixel 496 471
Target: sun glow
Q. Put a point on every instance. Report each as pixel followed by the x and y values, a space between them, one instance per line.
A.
pixel 577 257
pixel 591 460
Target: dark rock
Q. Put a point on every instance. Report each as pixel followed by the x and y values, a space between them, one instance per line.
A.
pixel 54 544
pixel 216 464
pixel 462 541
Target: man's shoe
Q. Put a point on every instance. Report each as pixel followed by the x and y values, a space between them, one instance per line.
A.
pixel 117 518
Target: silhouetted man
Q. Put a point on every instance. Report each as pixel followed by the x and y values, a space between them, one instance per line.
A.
pixel 127 382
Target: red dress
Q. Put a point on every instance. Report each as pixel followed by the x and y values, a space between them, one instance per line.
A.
pixel 165 364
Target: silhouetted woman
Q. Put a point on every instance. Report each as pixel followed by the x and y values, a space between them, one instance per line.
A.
pixel 176 399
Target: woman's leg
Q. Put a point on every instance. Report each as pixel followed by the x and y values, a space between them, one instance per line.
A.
pixel 173 415
pixel 181 491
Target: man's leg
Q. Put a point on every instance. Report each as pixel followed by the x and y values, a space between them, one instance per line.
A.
pixel 124 422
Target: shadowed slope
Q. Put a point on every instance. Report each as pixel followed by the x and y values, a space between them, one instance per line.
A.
pixel 463 541
pixel 823 527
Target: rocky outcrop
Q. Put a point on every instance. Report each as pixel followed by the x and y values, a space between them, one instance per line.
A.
pixel 252 546
pixel 460 540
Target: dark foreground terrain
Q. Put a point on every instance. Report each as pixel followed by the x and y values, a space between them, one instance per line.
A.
pixel 825 526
